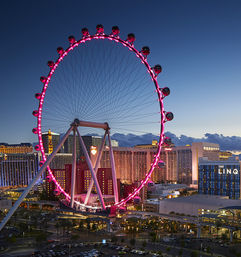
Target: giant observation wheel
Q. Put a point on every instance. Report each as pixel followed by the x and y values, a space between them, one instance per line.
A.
pixel 101 82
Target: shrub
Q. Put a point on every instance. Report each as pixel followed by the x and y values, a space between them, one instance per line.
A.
pixel 133 241
pixel 114 239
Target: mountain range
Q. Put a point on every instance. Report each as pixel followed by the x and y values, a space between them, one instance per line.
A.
pixel 225 142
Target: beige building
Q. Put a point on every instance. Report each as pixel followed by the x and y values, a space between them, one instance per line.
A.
pixel 132 164
pixel 180 164
pixel 15 149
pixel 202 149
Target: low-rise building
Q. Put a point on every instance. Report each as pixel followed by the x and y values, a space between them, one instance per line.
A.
pixel 193 205
pixel 165 190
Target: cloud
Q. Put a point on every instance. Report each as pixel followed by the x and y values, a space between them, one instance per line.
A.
pixel 132 139
pixel 225 142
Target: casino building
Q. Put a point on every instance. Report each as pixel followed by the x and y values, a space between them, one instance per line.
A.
pixel 22 148
pixel 219 178
pixel 18 170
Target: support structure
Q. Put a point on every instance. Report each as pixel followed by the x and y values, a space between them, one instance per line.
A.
pixel 90 124
pixel 73 174
pixel 97 164
pixel 112 161
pixel 38 175
pixel 91 170
pixel 74 127
pixel 199 231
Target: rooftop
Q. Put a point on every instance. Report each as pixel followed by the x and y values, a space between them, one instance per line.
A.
pixel 52 133
pixel 211 200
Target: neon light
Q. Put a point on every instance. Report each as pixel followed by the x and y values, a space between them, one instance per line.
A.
pixel 64 53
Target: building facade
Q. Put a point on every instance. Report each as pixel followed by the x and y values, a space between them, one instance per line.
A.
pixel 184 164
pixel 83 179
pixel 50 141
pixel 89 141
pixel 17 170
pixel 199 150
pixel 178 164
pixel 22 148
pixel 60 176
pixel 219 178
pixel 60 160
pixel 132 164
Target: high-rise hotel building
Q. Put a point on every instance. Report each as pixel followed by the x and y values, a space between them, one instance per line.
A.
pixel 50 141
pixel 199 150
pixel 183 164
pixel 18 170
pixel 180 163
pixel 219 178
pixel 132 164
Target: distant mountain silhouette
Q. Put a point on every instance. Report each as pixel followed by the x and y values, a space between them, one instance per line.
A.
pixel 130 140
pixel 225 142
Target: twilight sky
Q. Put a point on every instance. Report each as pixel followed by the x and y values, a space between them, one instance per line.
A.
pixel 198 44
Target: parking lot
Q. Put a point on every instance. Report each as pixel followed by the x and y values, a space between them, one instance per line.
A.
pixel 92 250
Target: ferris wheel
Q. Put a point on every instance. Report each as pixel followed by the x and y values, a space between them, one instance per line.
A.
pixel 100 84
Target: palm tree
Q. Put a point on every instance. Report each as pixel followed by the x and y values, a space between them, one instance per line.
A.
pixel 81 225
pixel 218 224
pixel 57 226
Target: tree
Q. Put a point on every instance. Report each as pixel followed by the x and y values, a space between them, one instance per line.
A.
pixel 180 252
pixel 81 225
pixel 75 237
pixel 94 227
pixel 194 254
pixel 12 239
pixel 57 226
pixel 160 253
pixel 153 236
pixel 224 236
pixel 208 249
pixel 41 237
pixel 88 225
pixel 66 224
pixel 218 224
pixel 23 227
pixel 144 244
pixel 114 239
pixel 133 241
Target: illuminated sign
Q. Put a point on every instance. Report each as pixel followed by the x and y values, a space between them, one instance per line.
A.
pixel 221 170
pixel 93 150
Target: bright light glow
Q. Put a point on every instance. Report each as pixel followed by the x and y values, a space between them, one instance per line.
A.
pixel 93 150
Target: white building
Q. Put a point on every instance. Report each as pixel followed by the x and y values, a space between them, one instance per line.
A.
pixel 192 205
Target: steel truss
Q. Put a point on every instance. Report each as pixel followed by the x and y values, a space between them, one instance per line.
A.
pixel 74 127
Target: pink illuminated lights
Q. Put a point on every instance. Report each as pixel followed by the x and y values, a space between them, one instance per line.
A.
pixel 143 59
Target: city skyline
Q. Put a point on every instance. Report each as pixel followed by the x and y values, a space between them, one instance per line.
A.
pixel 197 44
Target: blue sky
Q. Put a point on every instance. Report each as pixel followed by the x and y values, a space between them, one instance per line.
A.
pixel 198 44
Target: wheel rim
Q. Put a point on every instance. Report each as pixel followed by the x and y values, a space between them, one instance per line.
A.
pixel 46 81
